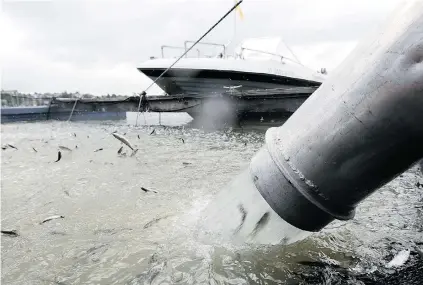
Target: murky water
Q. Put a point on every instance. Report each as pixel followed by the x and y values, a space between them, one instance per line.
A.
pixel 115 233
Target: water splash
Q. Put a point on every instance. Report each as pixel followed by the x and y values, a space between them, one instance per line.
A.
pixel 240 214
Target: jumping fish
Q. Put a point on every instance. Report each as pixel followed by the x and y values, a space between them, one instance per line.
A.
pixel 9 145
pixel 261 223
pixel 134 152
pixel 146 190
pixel 153 132
pixel 400 259
pixel 52 218
pixel 12 233
pixel 182 140
pixel 154 221
pixel 98 149
pixel 123 139
pixel 34 149
pixel 64 148
pixel 120 150
pixel 59 156
pixel 243 217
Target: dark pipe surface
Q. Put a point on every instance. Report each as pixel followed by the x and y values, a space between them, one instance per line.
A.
pixel 359 130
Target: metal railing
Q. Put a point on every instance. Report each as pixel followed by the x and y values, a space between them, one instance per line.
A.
pixel 176 47
pixel 270 53
pixel 204 43
pixel 224 51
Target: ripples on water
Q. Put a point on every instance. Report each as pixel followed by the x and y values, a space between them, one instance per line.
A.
pixel 115 233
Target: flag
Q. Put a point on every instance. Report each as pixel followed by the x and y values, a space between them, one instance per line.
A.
pixel 238 8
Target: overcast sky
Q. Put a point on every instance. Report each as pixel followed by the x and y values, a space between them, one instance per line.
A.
pixel 95 46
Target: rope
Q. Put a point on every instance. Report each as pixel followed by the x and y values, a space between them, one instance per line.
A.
pixel 295 56
pixel 205 34
pixel 74 105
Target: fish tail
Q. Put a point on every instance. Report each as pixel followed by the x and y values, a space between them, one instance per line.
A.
pixel 134 151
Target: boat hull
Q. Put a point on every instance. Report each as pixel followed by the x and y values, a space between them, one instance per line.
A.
pixel 226 108
pixel 230 109
pixel 205 82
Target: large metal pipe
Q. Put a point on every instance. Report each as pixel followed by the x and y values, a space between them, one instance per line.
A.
pixel 359 130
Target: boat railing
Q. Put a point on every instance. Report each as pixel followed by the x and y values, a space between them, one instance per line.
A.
pixel 176 47
pixel 223 54
pixel 205 43
pixel 269 53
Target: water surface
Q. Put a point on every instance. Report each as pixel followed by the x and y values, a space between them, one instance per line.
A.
pixel 115 233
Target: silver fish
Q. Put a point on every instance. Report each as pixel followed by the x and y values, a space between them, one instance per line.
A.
pixel 64 148
pixel 243 217
pixel 12 146
pixel 12 233
pixel 260 224
pixel 134 152
pixel 52 218
pixel 59 156
pixel 123 139
pixel 147 190
pixel 154 221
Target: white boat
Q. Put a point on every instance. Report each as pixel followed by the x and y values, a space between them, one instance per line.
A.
pixel 257 64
